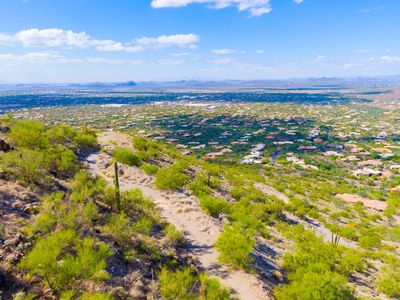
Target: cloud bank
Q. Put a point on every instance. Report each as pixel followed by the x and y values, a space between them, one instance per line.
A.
pixel 55 37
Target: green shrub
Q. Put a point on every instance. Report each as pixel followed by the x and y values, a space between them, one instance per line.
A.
pixel 235 246
pixel 389 281
pixel 30 166
pixel 317 270
pixel 199 186
pixel 369 238
pixel 211 289
pixel 29 134
pixel 316 286
pixel 62 161
pixel 96 296
pixel 70 295
pixel 174 236
pixel 60 268
pixel 118 226
pixel 394 234
pixel 150 169
pixel 143 226
pixel 133 203
pixel 85 188
pixel 125 156
pixel 186 285
pixel 170 179
pixel 214 206
pixel 84 142
pixel 143 144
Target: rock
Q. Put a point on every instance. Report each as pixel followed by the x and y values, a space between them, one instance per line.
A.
pixel 4 147
pixel 5 129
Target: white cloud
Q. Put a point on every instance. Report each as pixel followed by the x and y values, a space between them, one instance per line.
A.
pixel 34 58
pixel 222 61
pixel 102 60
pixel 6 39
pixel 54 57
pixel 180 54
pixel 390 59
pixel 361 51
pixel 321 59
pixel 259 11
pixel 260 51
pixel 181 40
pixel 55 37
pixel 111 46
pixel 223 51
pixel 254 7
pixel 170 61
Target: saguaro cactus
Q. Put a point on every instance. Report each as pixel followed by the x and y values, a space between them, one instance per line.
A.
pixel 116 185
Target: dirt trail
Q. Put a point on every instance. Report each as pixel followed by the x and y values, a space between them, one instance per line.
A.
pixel 183 211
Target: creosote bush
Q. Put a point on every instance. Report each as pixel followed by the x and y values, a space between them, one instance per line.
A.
pixel 214 206
pixel 235 246
pixel 126 156
pixel 185 284
pixel 63 257
pixel 171 178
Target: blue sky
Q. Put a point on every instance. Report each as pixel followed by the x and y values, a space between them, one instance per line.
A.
pixel 118 40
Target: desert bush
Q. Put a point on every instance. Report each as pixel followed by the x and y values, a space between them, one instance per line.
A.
pixel 199 186
pixel 185 284
pixel 63 257
pixel 62 161
pixel 143 144
pixel 389 281
pixel 125 156
pixel 85 188
pixel 119 227
pixel 174 236
pixel 150 169
pixel 170 179
pixel 29 134
pixel 317 269
pixel 316 285
pixel 29 166
pixel 235 246
pixel 214 206
pixel 369 238
pixel 134 204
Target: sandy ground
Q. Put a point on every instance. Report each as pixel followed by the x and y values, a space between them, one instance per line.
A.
pixel 183 211
pixel 309 223
pixel 368 203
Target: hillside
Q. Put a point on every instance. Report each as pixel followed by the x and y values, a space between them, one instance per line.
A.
pixel 115 215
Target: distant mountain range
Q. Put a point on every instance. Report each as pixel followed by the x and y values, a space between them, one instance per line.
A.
pixel 296 83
